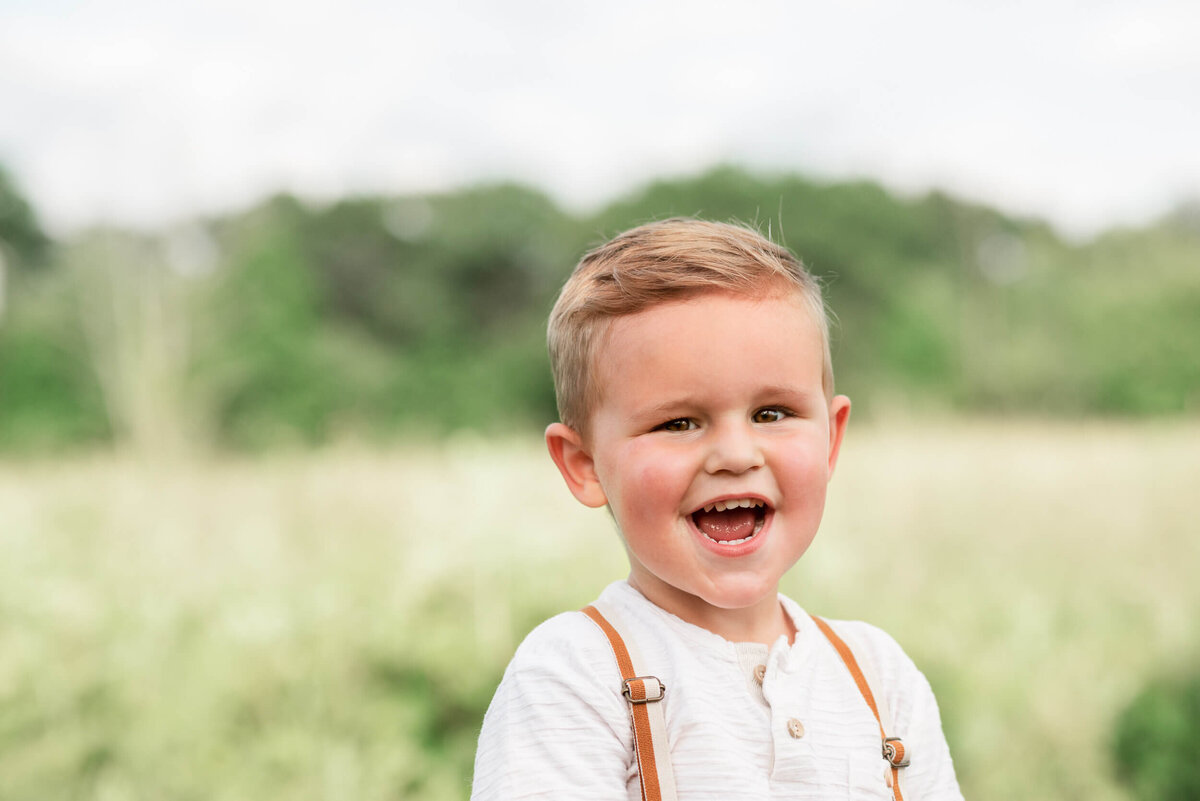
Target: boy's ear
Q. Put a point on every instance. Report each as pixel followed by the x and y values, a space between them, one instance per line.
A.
pixel 575 463
pixel 839 415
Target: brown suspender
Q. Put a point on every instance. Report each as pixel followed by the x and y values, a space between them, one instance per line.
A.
pixel 645 692
pixel 893 749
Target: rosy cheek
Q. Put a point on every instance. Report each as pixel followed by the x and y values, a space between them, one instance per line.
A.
pixel 653 475
pixel 807 473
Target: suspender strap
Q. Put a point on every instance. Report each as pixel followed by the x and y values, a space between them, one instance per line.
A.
pixel 893 749
pixel 644 694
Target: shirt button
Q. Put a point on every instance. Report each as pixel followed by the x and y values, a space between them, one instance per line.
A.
pixel 795 728
pixel 760 673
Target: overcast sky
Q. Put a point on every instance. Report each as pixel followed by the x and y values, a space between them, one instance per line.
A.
pixel 144 111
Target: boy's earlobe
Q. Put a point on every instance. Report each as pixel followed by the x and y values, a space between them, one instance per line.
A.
pixel 839 415
pixel 575 463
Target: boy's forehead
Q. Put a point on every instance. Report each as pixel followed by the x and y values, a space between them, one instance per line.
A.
pixel 623 336
pixel 697 302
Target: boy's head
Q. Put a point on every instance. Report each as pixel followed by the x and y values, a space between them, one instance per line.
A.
pixel 658 263
pixel 692 365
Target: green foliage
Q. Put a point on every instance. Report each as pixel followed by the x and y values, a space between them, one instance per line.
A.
pixel 276 366
pixel 21 237
pixel 45 392
pixel 379 316
pixel 49 395
pixel 178 705
pixel 1156 741
pixel 375 316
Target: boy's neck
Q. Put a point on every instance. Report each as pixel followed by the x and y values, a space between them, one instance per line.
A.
pixel 763 622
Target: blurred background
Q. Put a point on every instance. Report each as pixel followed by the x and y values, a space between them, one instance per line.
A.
pixel 274 511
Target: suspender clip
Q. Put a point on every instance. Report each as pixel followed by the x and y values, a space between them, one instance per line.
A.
pixel 895 753
pixel 641 693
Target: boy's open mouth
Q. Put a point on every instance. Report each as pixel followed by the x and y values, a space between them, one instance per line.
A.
pixel 731 522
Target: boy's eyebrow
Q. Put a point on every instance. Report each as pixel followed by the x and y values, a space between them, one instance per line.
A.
pixel 798 396
pixel 765 393
pixel 670 406
pixel 783 389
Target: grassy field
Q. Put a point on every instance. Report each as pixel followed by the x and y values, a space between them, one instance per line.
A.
pixel 331 626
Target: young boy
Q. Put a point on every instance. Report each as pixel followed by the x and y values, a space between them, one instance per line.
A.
pixel 691 362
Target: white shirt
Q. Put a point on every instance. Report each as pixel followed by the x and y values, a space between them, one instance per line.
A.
pixel 558 727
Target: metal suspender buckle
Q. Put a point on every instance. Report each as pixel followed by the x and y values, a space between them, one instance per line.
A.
pixel 895 752
pixel 641 694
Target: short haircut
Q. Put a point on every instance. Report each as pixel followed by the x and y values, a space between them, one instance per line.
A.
pixel 660 262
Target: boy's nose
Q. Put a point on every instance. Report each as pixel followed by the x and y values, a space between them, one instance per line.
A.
pixel 733 450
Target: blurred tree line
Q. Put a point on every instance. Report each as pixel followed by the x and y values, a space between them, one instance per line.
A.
pixel 384 317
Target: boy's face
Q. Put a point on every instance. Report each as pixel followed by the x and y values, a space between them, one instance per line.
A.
pixel 708 402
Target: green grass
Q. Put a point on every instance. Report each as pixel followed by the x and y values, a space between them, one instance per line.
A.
pixel 332 625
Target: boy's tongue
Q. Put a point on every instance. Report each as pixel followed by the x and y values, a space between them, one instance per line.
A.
pixel 732 524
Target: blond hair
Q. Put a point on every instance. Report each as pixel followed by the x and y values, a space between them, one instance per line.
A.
pixel 657 263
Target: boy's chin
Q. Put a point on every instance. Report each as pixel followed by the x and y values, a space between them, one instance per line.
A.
pixel 736 594
pixel 742 596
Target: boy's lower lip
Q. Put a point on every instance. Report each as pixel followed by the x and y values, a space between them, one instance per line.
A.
pixel 743 548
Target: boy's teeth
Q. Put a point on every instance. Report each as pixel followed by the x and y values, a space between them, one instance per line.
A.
pixel 742 503
pixel 731 542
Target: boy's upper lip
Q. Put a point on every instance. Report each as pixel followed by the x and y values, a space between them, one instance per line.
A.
pixel 733 496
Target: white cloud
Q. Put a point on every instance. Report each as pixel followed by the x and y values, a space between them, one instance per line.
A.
pixel 142 112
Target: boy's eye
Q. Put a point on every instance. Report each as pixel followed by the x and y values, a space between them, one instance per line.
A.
pixel 769 415
pixel 678 424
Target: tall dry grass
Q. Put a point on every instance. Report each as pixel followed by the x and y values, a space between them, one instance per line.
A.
pixel 330 625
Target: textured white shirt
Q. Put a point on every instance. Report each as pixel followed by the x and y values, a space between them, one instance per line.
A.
pixel 559 728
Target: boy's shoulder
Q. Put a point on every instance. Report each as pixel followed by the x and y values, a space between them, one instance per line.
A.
pixel 881 657
pixel 862 637
pixel 566 641
pixel 572 636
pixel 870 642
pixel 565 634
pixel 565 668
pixel 570 646
pixel 898 684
